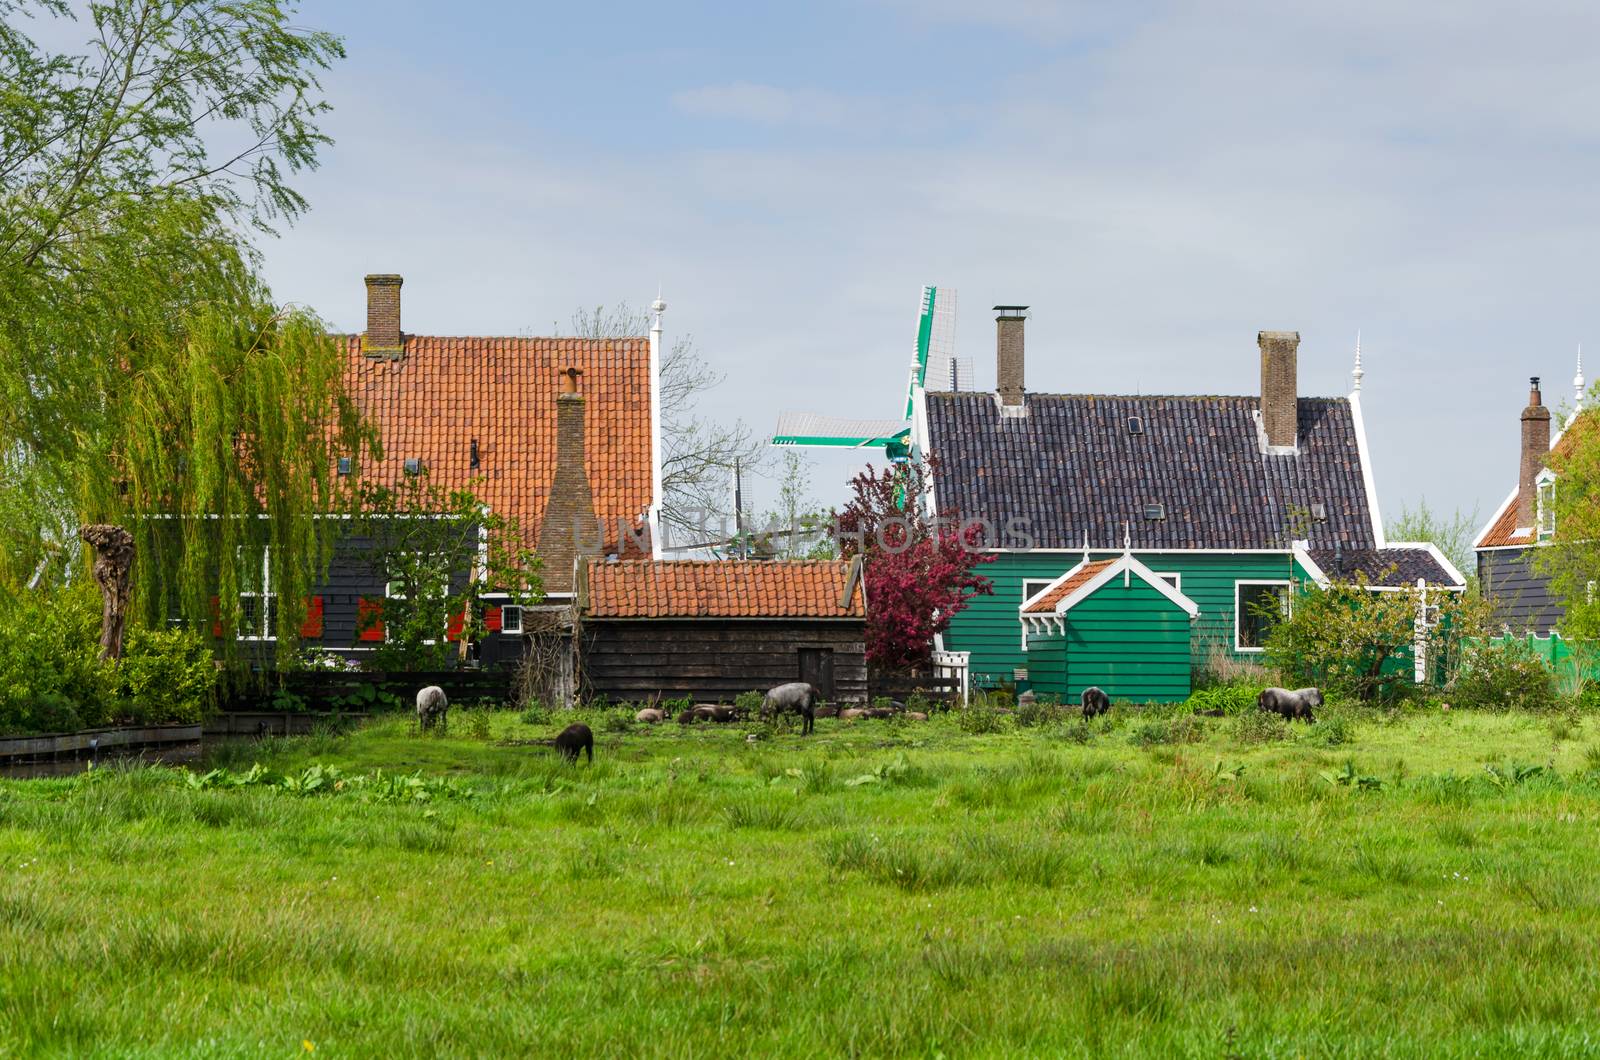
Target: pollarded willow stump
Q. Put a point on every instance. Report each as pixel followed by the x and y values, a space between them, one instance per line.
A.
pixel 113 572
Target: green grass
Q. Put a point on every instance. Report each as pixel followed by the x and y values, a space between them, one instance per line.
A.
pixel 1123 888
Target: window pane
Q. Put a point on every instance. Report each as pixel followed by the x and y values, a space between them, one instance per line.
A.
pixel 1260 608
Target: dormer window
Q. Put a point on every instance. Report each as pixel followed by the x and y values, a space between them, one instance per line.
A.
pixel 1545 516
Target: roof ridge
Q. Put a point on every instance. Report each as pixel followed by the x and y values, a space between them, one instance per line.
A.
pixel 1132 397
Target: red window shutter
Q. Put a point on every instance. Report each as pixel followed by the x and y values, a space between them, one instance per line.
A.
pixel 369 619
pixel 491 619
pixel 311 628
pixel 216 616
pixel 458 622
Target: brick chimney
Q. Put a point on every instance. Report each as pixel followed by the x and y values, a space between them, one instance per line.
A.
pixel 1280 395
pixel 569 525
pixel 383 317
pixel 1008 321
pixel 1535 447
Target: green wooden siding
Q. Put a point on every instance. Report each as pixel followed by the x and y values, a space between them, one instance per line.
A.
pixel 990 629
pixel 1131 641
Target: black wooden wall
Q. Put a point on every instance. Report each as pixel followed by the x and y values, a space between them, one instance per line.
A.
pixel 1520 596
pixel 714 659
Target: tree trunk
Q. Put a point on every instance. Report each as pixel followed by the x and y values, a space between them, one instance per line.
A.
pixel 113 572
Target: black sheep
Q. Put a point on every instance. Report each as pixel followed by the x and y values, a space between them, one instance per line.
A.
pixel 574 738
pixel 1293 706
pixel 1095 702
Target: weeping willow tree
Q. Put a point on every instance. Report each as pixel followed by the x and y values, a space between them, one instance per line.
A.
pixel 147 382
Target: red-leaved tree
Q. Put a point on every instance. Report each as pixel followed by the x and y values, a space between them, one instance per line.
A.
pixel 918 573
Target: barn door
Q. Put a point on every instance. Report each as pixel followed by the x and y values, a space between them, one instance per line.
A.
pixel 816 668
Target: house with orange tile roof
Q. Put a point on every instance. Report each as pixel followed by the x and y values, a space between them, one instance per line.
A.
pixel 1525 521
pixel 709 630
pixel 561 435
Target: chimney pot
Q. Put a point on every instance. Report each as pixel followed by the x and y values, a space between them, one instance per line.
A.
pixel 569 381
pixel 1535 448
pixel 1280 395
pixel 1009 321
pixel 383 316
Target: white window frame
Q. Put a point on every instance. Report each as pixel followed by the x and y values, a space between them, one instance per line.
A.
pixel 268 598
pixel 1238 610
pixel 506 627
pixel 1544 519
pixel 390 594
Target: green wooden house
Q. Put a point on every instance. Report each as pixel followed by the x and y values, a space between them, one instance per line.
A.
pixel 1110 623
pixel 1230 501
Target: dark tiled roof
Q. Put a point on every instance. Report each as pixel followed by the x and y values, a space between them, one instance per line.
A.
pixel 1072 465
pixel 1401 565
pixel 1081 577
pixel 444 392
pixel 722 589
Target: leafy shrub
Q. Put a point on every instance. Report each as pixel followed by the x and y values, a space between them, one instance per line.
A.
pixel 1152 732
pixel 1224 699
pixel 1044 710
pixel 52 679
pixel 535 714
pixel 1259 726
pixel 1333 731
pixel 166 675
pixel 617 720
pixel 749 704
pixel 1503 676
pixel 980 718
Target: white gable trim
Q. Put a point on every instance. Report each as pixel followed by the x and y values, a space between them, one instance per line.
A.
pixel 1124 565
pixel 1459 581
pixel 1366 468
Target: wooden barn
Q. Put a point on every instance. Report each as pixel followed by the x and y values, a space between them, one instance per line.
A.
pixel 1114 623
pixel 711 630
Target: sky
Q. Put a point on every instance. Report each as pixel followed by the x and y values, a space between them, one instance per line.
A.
pixel 1158 181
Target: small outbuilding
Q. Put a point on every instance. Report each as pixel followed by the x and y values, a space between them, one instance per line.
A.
pixel 1113 623
pixel 711 630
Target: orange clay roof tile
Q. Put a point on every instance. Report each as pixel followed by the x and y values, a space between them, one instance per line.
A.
pixel 1046 605
pixel 721 589
pixel 444 392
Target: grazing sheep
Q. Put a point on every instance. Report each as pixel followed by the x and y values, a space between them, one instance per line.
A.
pixel 723 715
pixel 1095 701
pixel 574 738
pixel 687 717
pixel 852 714
pixel 916 715
pixel 432 706
pixel 827 712
pixel 650 716
pixel 797 697
pixel 705 712
pixel 879 712
pixel 1293 706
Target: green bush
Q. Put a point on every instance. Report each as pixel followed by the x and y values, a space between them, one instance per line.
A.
pixel 52 679
pixel 748 704
pixel 166 675
pixel 1503 676
pixel 980 719
pixel 1224 699
pixel 1259 726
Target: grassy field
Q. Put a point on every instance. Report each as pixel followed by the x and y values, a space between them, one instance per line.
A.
pixel 1420 886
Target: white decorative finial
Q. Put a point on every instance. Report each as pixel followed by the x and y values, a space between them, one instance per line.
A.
pixel 1577 384
pixel 1086 544
pixel 1127 538
pixel 658 306
pixel 1357 373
